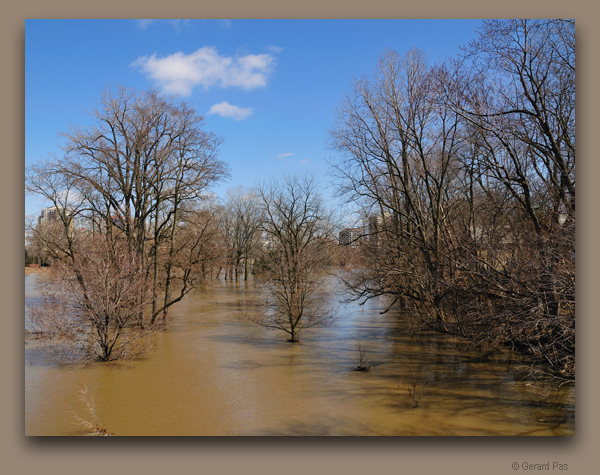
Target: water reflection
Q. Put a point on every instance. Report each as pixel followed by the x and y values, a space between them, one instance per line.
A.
pixel 215 374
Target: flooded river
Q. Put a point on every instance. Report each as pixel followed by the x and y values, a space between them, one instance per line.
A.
pixel 212 373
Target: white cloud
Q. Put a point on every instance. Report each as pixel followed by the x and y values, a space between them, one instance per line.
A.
pixel 143 24
pixel 225 109
pixel 275 49
pixel 284 155
pixel 70 197
pixel 304 160
pixel 179 73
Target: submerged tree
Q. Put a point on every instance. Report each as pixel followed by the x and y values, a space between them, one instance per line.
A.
pixel 515 88
pixel 240 225
pixel 465 173
pixel 398 160
pixel 90 304
pixel 136 179
pixel 297 235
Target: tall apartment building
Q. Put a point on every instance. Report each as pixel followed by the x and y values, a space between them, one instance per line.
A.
pixel 52 215
pixel 351 236
pixel 48 215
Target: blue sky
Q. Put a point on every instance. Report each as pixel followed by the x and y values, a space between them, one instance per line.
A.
pixel 269 88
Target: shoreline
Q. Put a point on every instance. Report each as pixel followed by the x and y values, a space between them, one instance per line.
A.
pixel 36 270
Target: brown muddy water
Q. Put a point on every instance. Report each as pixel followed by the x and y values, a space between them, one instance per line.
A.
pixel 214 374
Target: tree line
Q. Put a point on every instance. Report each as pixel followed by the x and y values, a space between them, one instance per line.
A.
pixel 135 229
pixel 465 174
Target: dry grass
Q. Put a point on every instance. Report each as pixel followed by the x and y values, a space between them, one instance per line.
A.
pixel 361 364
pixel 415 387
pixel 93 423
pixel 36 270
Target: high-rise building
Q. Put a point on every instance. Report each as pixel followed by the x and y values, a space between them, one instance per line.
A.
pixel 48 215
pixel 351 236
pixel 53 215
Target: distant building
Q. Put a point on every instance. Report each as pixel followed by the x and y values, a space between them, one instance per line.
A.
pixel 351 236
pixel 376 224
pixel 53 214
pixel 48 215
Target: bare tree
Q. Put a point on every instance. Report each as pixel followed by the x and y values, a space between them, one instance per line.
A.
pixel 189 259
pixel 240 224
pixel 515 87
pixel 465 173
pixel 139 173
pixel 297 236
pixel 398 149
pixel 89 308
